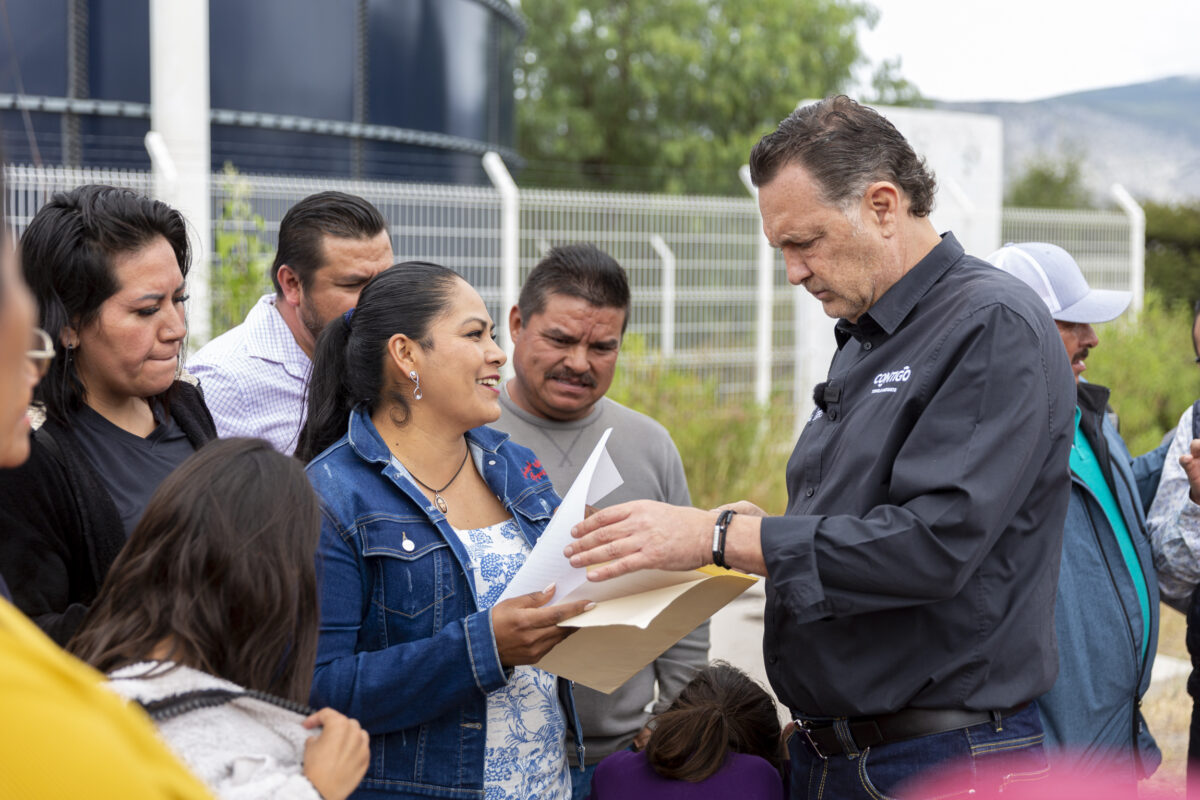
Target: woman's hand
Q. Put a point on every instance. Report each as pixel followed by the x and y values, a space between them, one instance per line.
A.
pixel 525 631
pixel 336 759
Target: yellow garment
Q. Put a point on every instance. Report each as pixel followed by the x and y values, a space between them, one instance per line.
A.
pixel 62 735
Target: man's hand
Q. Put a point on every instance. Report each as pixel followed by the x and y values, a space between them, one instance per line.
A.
pixel 1191 467
pixel 642 535
pixel 744 507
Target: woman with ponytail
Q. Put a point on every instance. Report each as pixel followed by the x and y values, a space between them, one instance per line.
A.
pixel 720 738
pixel 426 516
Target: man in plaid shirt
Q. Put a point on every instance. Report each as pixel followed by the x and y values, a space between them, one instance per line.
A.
pixel 254 375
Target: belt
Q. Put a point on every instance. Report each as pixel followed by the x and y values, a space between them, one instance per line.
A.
pixel 910 723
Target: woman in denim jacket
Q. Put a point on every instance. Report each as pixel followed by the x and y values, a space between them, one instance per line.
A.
pixel 426 516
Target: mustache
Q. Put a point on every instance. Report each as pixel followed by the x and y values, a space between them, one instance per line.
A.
pixel 1082 354
pixel 584 378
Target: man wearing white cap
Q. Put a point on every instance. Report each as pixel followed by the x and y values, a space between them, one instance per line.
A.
pixel 1106 615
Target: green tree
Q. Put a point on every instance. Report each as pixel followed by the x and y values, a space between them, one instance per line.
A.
pixel 670 95
pixel 1148 363
pixel 1173 250
pixel 893 89
pixel 240 272
pixel 1051 182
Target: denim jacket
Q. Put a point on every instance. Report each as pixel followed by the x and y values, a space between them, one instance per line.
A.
pixel 1093 712
pixel 404 647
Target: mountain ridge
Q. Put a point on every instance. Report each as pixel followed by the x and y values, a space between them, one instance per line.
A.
pixel 1145 136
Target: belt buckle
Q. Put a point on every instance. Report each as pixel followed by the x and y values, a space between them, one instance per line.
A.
pixel 802 725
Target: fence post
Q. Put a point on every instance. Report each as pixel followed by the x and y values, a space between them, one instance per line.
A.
pixel 1137 244
pixel 179 113
pixel 510 230
pixel 668 294
pixel 765 296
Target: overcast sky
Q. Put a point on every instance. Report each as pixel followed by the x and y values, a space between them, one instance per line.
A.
pixel 1030 49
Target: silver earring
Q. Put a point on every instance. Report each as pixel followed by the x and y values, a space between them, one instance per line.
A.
pixel 416 379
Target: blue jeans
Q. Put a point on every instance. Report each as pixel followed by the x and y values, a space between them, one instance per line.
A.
pixel 980 757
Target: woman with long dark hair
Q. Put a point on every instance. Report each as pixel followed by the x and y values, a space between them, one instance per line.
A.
pixel 427 515
pixel 720 738
pixel 214 595
pixel 63 735
pixel 107 267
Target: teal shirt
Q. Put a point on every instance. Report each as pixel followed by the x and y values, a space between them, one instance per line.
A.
pixel 1085 465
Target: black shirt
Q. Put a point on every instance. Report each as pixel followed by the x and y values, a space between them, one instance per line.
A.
pixel 917 563
pixel 131 467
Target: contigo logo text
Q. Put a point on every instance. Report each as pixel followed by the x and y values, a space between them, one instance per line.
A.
pixel 884 378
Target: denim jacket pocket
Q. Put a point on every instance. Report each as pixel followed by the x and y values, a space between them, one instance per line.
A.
pixel 413 566
pixel 537 506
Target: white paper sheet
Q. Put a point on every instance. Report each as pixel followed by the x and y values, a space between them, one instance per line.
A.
pixel 546 563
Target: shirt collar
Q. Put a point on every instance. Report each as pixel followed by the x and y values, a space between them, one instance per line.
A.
pixel 268 337
pixel 885 316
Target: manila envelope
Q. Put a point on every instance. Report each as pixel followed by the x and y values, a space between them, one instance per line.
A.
pixel 636 619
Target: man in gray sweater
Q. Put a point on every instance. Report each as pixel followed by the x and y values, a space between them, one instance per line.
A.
pixel 566 330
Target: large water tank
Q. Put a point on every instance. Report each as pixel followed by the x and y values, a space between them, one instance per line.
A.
pixel 393 89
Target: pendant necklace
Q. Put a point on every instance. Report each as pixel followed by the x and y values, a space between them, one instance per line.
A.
pixel 437 493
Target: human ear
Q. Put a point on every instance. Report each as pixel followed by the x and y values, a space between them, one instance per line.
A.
pixel 403 353
pixel 69 337
pixel 514 324
pixel 289 285
pixel 881 204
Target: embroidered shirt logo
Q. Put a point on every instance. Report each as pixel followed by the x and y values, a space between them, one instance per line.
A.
pixel 883 379
pixel 533 470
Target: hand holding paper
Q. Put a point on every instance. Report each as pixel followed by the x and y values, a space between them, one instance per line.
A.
pixel 633 618
pixel 546 563
pixel 622 634
pixel 526 627
pixel 642 534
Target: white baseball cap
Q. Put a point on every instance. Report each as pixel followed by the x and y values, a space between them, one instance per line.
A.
pixel 1053 274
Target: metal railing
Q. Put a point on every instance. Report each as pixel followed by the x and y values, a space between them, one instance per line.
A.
pixel 691 260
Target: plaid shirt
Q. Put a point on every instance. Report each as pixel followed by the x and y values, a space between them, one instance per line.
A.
pixel 253 377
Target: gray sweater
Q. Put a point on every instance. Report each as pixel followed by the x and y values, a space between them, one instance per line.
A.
pixel 650 466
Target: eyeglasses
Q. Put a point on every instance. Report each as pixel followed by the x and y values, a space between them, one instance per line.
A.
pixel 41 352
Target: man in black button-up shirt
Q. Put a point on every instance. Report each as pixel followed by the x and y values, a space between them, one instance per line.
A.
pixel 911 580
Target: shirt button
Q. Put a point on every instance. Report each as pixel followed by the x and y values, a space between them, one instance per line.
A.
pixel 772 659
pixel 809 492
pixel 832 414
pixel 491 462
pixel 866 345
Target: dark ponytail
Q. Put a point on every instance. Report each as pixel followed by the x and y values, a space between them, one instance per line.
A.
pixel 721 710
pixel 326 396
pixel 348 362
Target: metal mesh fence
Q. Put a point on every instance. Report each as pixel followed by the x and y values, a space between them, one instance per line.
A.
pixel 701 316
pixel 1099 240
